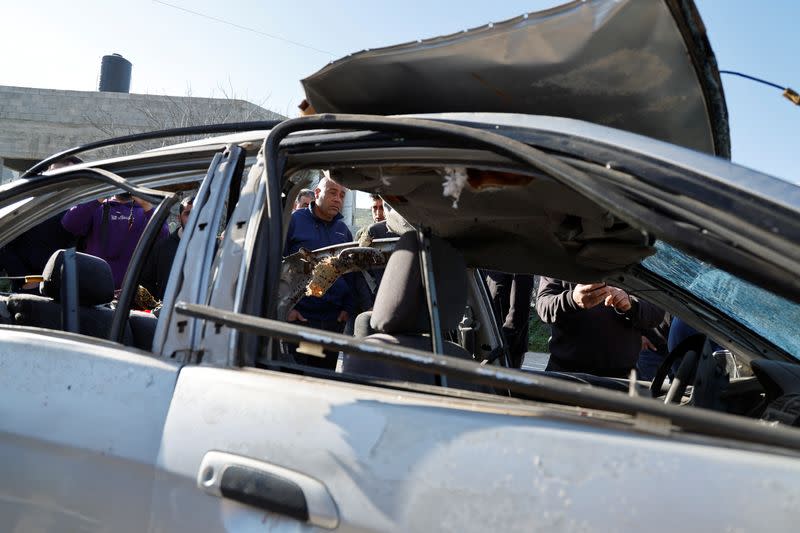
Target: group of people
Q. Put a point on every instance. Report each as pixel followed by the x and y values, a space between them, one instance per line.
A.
pixel 595 328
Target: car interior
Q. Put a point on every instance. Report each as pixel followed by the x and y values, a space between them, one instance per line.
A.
pixel 400 315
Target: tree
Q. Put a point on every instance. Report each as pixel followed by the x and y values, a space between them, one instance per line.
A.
pixel 140 113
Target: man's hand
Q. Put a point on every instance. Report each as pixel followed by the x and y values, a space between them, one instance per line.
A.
pixel 588 296
pixel 618 299
pixel 295 316
pixel 343 316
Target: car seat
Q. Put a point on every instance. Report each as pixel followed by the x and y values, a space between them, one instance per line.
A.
pixel 400 314
pixel 95 292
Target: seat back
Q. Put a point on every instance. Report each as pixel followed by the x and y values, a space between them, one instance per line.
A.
pixel 95 290
pixel 95 280
pixel 400 315
pixel 143 329
pixel 400 304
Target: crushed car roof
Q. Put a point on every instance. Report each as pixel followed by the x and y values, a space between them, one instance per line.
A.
pixel 617 63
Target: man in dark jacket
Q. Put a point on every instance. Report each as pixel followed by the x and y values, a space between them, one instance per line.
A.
pixel 596 328
pixel 29 253
pixel 159 263
pixel 378 229
pixel 318 226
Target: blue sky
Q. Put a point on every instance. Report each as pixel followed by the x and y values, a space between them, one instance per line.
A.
pixel 56 44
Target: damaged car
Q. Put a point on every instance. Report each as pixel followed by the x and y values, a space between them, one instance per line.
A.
pixel 197 417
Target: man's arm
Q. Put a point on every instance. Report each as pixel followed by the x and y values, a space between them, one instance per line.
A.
pixel 363 297
pixel 645 315
pixel 148 214
pixel 348 300
pixel 553 299
pixel 144 204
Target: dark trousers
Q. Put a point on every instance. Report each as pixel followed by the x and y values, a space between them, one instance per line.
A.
pixel 330 359
pixel 511 298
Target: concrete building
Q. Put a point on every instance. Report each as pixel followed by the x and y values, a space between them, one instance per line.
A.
pixel 36 123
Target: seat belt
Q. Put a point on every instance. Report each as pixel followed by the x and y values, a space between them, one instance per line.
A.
pixel 371 283
pixel 104 226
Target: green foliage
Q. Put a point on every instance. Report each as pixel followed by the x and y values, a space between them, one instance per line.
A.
pixel 362 219
pixel 538 334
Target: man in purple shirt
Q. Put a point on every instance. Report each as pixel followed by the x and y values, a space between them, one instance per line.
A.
pixel 112 227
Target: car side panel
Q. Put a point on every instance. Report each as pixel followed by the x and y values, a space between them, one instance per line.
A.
pixel 395 461
pixel 80 426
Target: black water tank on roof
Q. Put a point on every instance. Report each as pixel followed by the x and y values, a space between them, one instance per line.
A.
pixel 115 74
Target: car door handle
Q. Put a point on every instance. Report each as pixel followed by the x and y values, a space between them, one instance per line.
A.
pixel 269 487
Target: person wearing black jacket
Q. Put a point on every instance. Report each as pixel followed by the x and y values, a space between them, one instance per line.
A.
pixel 29 253
pixel 159 263
pixel 595 328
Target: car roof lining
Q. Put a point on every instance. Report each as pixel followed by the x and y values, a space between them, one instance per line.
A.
pixel 531 223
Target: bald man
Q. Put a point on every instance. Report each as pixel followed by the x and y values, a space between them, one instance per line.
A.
pixel 317 226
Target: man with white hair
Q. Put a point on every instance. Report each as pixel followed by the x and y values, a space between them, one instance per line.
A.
pixel 317 226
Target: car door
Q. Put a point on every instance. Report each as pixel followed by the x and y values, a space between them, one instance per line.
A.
pixel 81 418
pixel 80 424
pixel 255 450
pixel 247 449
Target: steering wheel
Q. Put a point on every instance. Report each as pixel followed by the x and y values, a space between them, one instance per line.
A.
pixel 689 349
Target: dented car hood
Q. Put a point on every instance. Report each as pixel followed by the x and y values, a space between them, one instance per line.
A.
pixel 616 63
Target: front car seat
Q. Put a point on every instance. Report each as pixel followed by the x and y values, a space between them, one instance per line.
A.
pixel 400 315
pixel 95 291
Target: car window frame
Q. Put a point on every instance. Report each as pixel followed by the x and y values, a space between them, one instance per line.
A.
pixel 36 189
pixel 190 276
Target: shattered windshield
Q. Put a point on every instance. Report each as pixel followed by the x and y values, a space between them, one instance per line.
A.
pixel 771 316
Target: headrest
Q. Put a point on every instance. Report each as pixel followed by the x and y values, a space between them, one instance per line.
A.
pixel 400 305
pixel 95 280
pixel 396 223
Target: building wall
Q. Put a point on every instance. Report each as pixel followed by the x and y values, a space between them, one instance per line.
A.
pixel 35 123
pixel 6 174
